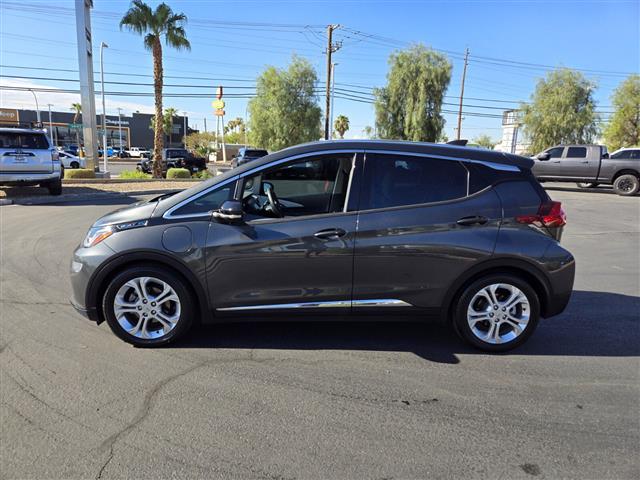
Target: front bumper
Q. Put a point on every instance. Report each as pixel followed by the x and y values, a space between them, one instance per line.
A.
pixel 18 178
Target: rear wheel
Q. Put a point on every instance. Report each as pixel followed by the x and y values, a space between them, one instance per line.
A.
pixel 55 186
pixel 148 306
pixel 75 165
pixel 497 313
pixel 587 184
pixel 626 185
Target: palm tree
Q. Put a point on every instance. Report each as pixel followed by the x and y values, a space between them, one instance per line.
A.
pixel 169 113
pixel 155 25
pixel 341 125
pixel 77 110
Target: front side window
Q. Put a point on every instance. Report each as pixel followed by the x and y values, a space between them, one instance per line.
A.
pixel 211 200
pixel 310 186
pixel 555 152
pixel 396 180
pixel 576 152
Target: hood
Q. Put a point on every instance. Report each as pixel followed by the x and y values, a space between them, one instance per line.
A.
pixel 132 213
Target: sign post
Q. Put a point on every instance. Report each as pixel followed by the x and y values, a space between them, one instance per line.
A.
pixel 218 106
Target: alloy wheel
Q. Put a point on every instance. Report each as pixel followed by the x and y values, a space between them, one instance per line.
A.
pixel 147 307
pixel 498 313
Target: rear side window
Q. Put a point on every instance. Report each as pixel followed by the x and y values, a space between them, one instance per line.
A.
pixel 577 152
pixel 207 202
pixel 396 180
pixel 35 141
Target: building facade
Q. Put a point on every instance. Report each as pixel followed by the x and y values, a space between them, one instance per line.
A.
pixel 126 131
pixel 513 140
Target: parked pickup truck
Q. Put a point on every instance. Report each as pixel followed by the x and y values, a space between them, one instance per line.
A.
pixel 137 152
pixel 588 166
pixel 175 158
pixel 27 158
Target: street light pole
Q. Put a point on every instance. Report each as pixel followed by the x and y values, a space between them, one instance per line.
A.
pixel 104 110
pixel 37 107
pixel 119 128
pixel 184 129
pixel 50 125
pixel 333 86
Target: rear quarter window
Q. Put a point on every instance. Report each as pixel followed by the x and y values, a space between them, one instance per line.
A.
pixel 36 141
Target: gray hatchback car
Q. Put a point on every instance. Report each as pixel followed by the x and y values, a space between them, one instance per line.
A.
pixel 336 230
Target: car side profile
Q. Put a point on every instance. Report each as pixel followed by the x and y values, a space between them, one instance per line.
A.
pixel 336 230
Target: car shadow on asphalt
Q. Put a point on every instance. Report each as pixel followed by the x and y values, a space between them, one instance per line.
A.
pixel 594 324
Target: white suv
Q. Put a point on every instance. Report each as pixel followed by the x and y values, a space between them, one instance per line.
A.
pixel 27 158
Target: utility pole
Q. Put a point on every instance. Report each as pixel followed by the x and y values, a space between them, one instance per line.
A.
pixel 120 146
pixel 104 110
pixel 464 74
pixel 331 48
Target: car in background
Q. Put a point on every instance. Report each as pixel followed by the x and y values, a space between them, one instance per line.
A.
pixel 121 152
pixel 629 153
pixel 336 230
pixel 71 161
pixel 175 158
pixel 589 166
pixel 27 158
pixel 137 152
pixel 72 149
pixel 246 155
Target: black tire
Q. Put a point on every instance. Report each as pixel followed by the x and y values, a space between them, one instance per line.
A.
pixel 75 165
pixel 626 185
pixel 186 303
pixel 55 187
pixel 587 184
pixel 463 329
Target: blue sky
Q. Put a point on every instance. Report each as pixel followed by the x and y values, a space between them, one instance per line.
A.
pixel 236 39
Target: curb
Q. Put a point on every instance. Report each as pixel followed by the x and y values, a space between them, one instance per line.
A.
pixel 78 197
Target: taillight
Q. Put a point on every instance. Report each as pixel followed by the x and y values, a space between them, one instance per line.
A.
pixel 549 215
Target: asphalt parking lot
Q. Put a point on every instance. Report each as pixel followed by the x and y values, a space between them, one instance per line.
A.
pixel 308 400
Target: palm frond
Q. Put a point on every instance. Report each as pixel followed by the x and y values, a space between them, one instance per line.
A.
pixel 149 40
pixel 138 18
pixel 176 37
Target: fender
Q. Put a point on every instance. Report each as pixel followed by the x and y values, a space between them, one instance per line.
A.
pixel 96 282
pixel 500 263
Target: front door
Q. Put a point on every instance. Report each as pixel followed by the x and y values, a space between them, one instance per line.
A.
pixel 551 167
pixel 294 249
pixel 422 223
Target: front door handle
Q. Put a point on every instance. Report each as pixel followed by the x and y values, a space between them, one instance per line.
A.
pixel 330 233
pixel 474 220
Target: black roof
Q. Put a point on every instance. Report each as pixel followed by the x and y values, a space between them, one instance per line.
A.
pixel 440 149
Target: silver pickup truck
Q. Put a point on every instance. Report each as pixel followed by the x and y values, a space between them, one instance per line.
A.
pixel 589 166
pixel 27 158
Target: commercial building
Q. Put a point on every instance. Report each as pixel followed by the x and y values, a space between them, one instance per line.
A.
pixel 513 140
pixel 127 131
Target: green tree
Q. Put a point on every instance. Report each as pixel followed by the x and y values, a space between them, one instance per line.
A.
pixel 623 129
pixel 562 110
pixel 285 111
pixel 203 143
pixel 369 132
pixel 485 141
pixel 167 122
pixel 409 107
pixel 341 125
pixel 235 131
pixel 77 110
pixel 156 25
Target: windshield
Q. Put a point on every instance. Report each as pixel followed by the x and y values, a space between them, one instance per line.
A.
pixel 23 140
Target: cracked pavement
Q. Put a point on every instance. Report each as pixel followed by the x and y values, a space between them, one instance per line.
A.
pixel 309 400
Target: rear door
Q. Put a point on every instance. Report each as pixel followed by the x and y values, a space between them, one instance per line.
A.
pixel 422 222
pixel 27 152
pixel 579 163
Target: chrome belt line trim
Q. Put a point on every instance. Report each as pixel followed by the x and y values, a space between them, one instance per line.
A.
pixel 387 302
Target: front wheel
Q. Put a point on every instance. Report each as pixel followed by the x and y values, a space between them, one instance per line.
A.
pixel 626 185
pixel 148 306
pixel 587 184
pixel 75 165
pixel 497 313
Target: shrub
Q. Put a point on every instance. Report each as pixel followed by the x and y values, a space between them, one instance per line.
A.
pixel 203 175
pixel 178 173
pixel 79 173
pixel 134 174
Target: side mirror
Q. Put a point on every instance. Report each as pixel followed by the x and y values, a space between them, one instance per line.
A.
pixel 606 155
pixel 229 212
pixel 544 156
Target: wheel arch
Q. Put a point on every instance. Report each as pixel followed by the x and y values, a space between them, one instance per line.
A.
pixel 102 277
pixel 520 268
pixel 625 171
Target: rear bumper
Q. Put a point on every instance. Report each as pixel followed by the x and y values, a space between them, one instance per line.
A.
pixel 18 178
pixel 560 274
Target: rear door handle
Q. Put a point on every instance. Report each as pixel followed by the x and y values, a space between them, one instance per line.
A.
pixel 475 220
pixel 330 233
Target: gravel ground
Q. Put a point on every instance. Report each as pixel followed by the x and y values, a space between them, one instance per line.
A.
pixel 21 192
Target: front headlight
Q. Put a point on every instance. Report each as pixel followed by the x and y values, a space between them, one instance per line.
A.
pixel 97 234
